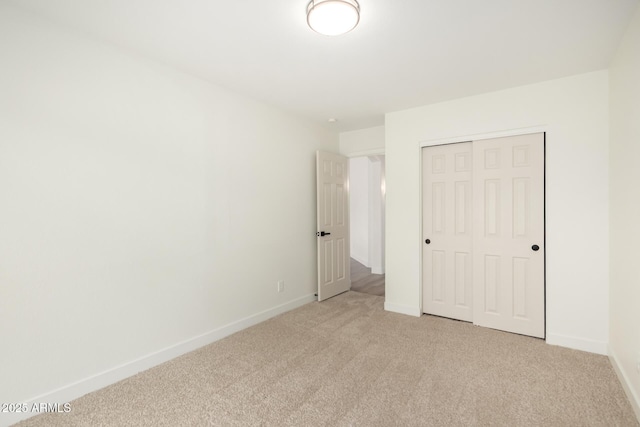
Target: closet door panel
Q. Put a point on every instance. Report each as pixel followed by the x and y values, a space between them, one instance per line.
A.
pixel 447 226
pixel 508 242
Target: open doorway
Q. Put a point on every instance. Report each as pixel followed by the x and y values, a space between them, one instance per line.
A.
pixel 367 210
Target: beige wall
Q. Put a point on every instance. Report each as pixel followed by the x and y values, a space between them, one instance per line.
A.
pixel 359 209
pixel 624 346
pixel 141 209
pixel 574 113
pixel 363 142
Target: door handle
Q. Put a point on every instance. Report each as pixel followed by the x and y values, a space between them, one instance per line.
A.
pixel 322 234
pixel 535 248
pixel 427 241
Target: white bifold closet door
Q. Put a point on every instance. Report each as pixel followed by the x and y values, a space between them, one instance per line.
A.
pixel 506 250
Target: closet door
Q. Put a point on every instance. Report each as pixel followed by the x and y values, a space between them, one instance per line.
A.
pixel 447 221
pixel 508 244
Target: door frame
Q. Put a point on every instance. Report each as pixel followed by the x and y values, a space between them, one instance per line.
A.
pixel 477 137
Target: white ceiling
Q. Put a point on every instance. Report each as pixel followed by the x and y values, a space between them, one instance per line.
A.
pixel 404 53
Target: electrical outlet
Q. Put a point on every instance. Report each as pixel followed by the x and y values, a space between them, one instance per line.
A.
pixel 280 285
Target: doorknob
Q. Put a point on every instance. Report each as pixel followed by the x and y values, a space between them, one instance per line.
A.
pixel 427 241
pixel 535 248
pixel 322 234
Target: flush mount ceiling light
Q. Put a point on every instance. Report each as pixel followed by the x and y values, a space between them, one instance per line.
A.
pixel 333 17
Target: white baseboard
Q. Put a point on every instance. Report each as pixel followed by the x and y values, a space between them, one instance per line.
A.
pixel 100 380
pixel 591 346
pixel 403 309
pixel 633 396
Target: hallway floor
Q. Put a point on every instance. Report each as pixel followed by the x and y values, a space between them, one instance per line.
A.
pixel 364 282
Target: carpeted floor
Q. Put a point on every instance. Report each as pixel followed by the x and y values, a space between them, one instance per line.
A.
pixel 347 362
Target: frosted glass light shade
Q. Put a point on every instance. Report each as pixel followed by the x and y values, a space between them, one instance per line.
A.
pixel 333 17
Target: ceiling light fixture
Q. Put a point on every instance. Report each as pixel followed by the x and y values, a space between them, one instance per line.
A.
pixel 333 17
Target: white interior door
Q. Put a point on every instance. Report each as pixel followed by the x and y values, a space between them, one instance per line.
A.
pixel 334 276
pixel 447 227
pixel 508 247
